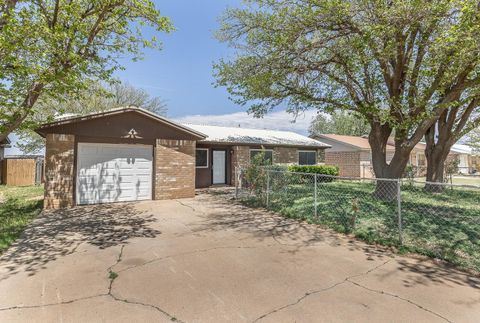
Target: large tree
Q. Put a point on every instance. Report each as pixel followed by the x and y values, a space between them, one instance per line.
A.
pixel 50 48
pixel 398 63
pixel 340 123
pixel 95 98
pixel 453 124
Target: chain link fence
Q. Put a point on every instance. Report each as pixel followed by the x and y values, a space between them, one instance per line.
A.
pixel 438 220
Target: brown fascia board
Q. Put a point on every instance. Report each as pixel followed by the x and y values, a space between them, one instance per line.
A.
pixel 119 111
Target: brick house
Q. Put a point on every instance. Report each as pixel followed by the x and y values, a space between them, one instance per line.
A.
pixel 131 154
pixel 352 154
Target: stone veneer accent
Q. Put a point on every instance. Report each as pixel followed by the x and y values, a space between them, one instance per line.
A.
pixel 59 171
pixel 174 169
pixel 348 162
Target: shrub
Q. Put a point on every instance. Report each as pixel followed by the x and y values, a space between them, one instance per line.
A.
pixel 256 176
pixel 315 169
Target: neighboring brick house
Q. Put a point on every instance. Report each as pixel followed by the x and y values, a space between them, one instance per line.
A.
pixel 131 154
pixel 352 154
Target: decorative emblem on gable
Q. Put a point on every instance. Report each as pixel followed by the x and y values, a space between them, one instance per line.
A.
pixel 132 134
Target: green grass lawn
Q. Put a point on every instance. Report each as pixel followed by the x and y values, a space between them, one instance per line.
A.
pixel 18 207
pixel 460 180
pixel 445 226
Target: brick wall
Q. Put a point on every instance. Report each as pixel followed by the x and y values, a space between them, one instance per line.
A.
pixel 241 156
pixel 59 171
pixel 285 155
pixel 240 159
pixel 281 155
pixel 174 169
pixel 348 162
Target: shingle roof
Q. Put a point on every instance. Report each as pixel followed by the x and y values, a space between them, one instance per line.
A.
pixel 236 135
pixel 355 141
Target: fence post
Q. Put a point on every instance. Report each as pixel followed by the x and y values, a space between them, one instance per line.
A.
pixel 399 210
pixel 236 182
pixel 315 199
pixel 268 187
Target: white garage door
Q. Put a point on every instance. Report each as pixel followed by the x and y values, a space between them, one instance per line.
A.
pixel 113 173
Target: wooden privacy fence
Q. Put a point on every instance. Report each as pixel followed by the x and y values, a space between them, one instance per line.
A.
pixel 21 172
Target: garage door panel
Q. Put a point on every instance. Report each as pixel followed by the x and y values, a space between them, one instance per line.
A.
pixel 113 173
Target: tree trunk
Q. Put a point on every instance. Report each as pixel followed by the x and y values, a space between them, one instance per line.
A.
pixel 387 174
pixel 11 126
pixel 435 174
pixel 23 111
pixel 436 153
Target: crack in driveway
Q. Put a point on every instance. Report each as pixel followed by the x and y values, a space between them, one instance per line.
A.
pixel 381 292
pixel 127 301
pixel 188 253
pixel 52 304
pixel 349 280
pixel 108 294
pixel 307 294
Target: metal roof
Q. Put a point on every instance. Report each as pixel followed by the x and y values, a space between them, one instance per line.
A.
pixel 237 135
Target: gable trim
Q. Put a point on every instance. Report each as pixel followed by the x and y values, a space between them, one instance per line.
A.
pixel 148 114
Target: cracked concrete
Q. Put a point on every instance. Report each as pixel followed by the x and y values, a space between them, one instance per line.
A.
pixel 209 259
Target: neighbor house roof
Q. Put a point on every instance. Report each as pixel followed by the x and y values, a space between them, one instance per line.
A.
pixel 72 118
pixel 237 135
pixel 353 141
pixel 462 149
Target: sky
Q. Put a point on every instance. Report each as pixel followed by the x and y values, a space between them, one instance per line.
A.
pixel 182 75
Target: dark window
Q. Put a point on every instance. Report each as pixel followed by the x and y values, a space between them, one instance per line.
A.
pixel 201 158
pixel 267 155
pixel 307 157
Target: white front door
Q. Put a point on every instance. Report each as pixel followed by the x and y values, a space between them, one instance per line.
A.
pixel 113 173
pixel 219 167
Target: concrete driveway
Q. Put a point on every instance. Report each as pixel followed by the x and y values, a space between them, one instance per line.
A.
pixel 210 260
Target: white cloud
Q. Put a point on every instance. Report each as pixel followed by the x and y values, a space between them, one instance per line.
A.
pixel 279 120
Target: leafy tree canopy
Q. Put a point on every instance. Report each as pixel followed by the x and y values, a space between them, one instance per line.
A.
pixel 474 139
pixel 51 48
pixel 398 63
pixel 340 123
pixel 96 98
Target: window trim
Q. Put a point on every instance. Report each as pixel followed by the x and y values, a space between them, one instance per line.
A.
pixel 307 151
pixel 259 149
pixel 207 164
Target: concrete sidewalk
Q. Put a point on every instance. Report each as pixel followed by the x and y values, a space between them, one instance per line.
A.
pixel 209 259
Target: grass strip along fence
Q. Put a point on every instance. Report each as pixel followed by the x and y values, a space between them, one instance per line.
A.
pixel 444 225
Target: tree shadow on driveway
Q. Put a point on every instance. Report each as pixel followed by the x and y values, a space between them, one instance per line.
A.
pixel 57 233
pixel 228 214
